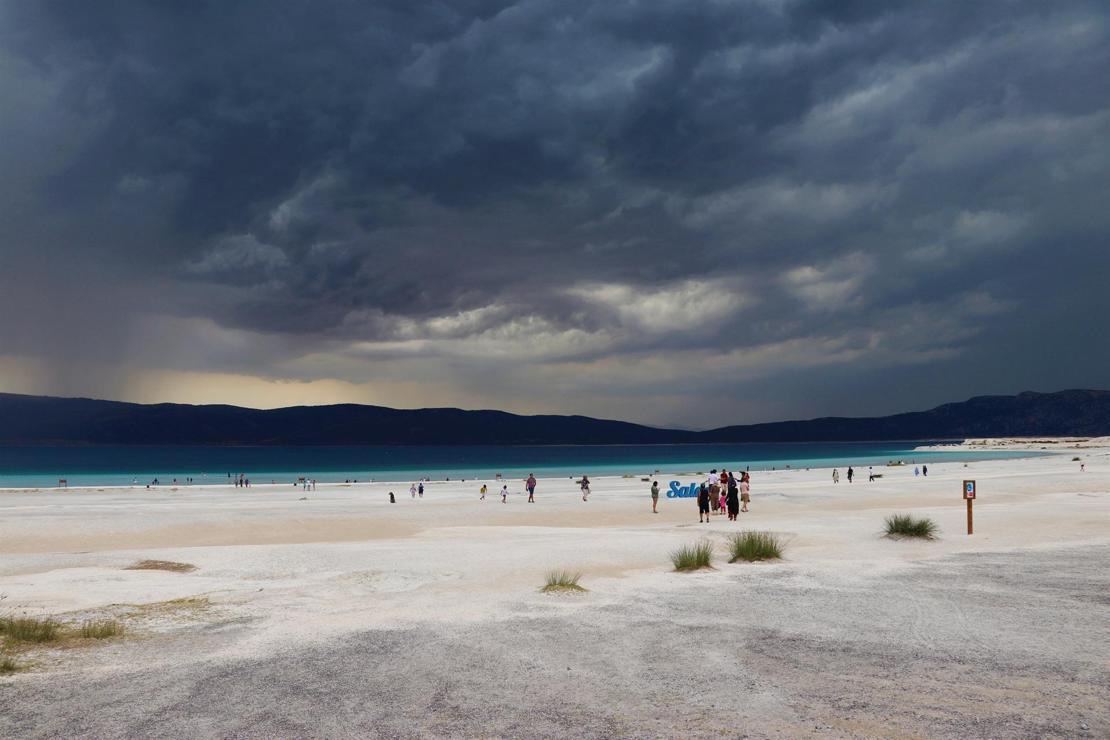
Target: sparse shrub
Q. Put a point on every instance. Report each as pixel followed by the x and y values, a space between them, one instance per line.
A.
pixel 8 665
pixel 29 629
pixel 1075 459
pixel 99 629
pixel 693 557
pixel 752 546
pixel 164 565
pixel 904 525
pixel 562 580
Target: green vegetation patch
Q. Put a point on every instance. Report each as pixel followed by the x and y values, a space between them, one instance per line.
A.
pixel 100 629
pixel 693 557
pixel 905 525
pixel 30 629
pixel 752 546
pixel 562 581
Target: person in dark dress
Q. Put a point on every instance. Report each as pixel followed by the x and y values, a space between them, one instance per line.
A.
pixel 733 499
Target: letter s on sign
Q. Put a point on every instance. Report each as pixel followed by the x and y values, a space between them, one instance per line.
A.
pixel 674 490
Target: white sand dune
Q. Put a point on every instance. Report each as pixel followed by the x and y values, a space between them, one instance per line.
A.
pixel 344 615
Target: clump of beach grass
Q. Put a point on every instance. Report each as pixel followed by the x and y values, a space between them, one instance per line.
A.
pixel 562 581
pixel 162 565
pixel 29 629
pixel 8 665
pixel 693 557
pixel 753 546
pixel 905 525
pixel 100 629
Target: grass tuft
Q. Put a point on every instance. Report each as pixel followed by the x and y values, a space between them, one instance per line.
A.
pixel 561 581
pixel 99 629
pixel 904 525
pixel 752 546
pixel 8 665
pixel 29 629
pixel 693 557
pixel 162 565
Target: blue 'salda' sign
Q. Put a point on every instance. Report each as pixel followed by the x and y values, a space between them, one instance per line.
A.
pixel 680 491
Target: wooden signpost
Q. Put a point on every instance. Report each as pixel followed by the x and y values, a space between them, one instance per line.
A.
pixel 969 496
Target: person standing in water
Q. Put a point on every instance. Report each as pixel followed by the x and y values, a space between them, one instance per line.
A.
pixel 655 497
pixel 531 485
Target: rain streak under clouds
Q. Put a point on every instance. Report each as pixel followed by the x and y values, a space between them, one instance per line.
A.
pixel 673 212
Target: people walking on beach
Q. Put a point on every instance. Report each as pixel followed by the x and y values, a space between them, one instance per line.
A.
pixel 850 473
pixel 925 470
pixel 745 491
pixel 530 484
pixel 1082 467
pixel 585 485
pixel 703 503
pixel 722 497
pixel 482 491
pixel 504 493
pixel 392 499
pixel 836 475
pixel 916 471
pixel 420 489
pixel 412 490
pixel 870 474
pixel 655 497
pixel 733 500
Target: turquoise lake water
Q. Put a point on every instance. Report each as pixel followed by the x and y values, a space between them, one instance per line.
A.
pixel 22 467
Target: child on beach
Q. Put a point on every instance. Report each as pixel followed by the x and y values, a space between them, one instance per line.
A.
pixel 482 490
pixel 655 497
pixel 504 492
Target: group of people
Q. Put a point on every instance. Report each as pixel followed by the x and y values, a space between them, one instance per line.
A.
pixel 529 485
pixel 723 493
pixel 871 475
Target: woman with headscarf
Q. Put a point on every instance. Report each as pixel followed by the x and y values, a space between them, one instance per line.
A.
pixel 732 499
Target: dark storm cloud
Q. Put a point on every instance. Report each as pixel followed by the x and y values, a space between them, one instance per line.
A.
pixel 853 192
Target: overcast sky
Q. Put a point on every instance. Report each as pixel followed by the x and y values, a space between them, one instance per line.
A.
pixel 673 212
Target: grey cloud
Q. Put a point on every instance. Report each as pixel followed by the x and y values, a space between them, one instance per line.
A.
pixel 927 179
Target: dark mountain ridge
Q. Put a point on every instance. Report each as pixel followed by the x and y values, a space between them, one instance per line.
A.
pixel 45 420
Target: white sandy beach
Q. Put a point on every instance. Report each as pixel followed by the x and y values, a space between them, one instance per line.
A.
pixel 333 613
